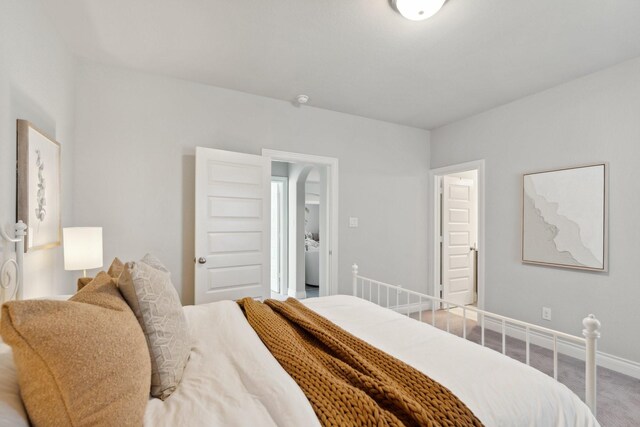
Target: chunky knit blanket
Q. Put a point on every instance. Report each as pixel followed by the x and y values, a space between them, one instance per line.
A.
pixel 347 381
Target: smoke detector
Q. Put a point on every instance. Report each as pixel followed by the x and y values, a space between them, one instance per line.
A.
pixel 302 99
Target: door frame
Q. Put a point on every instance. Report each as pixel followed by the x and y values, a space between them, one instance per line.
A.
pixel 330 248
pixel 283 220
pixel 434 224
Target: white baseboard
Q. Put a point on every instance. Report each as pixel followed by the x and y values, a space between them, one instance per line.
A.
pixel 606 360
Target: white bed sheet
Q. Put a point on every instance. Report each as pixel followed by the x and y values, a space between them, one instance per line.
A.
pixel 233 380
pixel 12 412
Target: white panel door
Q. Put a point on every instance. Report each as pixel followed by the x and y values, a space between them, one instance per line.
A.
pixel 458 222
pixel 233 193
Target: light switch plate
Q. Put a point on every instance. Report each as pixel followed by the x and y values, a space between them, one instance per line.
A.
pixel 353 222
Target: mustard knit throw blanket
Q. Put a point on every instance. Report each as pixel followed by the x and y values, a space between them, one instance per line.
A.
pixel 347 381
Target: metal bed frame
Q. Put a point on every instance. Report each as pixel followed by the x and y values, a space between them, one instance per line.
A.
pixel 6 280
pixel 383 294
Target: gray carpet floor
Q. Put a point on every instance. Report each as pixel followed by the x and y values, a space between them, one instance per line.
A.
pixel 618 395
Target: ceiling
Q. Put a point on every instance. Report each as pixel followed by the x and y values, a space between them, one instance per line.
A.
pixel 360 56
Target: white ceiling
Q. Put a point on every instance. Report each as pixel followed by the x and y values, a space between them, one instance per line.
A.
pixel 360 56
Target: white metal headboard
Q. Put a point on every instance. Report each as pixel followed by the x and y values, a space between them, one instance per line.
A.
pixel 20 230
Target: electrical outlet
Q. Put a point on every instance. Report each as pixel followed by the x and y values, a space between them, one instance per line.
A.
pixel 546 313
pixel 353 222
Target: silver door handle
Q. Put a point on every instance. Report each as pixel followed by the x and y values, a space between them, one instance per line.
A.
pixel 202 260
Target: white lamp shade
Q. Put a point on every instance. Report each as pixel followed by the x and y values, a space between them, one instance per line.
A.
pixel 82 248
pixel 417 10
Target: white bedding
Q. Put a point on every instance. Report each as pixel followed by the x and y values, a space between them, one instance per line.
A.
pixel 232 379
pixel 499 390
pixel 12 413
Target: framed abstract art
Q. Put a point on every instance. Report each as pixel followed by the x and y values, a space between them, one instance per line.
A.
pixel 564 217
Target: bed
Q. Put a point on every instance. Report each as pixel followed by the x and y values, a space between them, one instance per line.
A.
pixel 231 378
pixel 252 389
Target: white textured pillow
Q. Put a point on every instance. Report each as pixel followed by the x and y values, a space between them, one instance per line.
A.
pixel 153 298
pixel 12 412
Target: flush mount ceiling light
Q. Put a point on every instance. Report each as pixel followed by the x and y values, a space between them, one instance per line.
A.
pixel 418 10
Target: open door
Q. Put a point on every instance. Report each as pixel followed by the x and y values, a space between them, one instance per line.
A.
pixel 458 240
pixel 232 228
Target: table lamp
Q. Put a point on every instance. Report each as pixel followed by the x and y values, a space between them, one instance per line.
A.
pixel 82 248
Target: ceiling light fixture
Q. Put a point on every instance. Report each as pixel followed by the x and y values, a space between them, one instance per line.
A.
pixel 418 10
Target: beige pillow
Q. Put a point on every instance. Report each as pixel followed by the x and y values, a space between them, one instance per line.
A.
pixel 116 267
pixel 82 362
pixel 156 304
pixel 114 271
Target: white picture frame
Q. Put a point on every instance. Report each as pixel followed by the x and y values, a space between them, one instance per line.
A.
pixel 565 217
pixel 38 196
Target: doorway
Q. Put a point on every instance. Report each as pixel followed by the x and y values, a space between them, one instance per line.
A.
pixel 311 225
pixel 233 225
pixel 313 229
pixel 458 233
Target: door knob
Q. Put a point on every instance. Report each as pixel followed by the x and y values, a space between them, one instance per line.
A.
pixel 202 260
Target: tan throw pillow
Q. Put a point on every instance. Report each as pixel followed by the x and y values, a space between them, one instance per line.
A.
pixel 156 304
pixel 114 271
pixel 116 267
pixel 82 282
pixel 82 362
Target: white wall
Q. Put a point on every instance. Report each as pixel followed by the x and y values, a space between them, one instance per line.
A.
pixel 37 83
pixel 135 169
pixel 595 118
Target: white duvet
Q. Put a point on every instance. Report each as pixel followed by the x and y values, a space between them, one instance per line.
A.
pixel 233 380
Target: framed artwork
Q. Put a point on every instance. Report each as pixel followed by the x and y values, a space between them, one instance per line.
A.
pixel 564 217
pixel 38 187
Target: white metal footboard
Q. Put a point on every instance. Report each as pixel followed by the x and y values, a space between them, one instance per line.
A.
pixel 408 302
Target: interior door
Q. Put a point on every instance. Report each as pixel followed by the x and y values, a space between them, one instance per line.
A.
pixel 458 240
pixel 232 229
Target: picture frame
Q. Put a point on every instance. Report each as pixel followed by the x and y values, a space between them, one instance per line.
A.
pixel 565 217
pixel 38 187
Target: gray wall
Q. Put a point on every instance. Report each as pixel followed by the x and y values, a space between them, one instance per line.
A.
pixel 37 83
pixel 280 169
pixel 595 118
pixel 135 169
